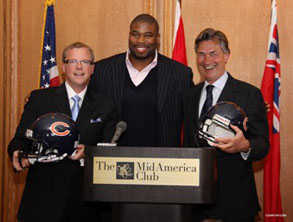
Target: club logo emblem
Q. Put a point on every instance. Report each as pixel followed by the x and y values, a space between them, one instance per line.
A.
pixel 125 170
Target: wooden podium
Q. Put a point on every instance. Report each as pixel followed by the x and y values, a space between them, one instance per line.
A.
pixel 172 177
pixel 149 188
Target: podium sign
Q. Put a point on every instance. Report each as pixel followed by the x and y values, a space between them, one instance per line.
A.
pixel 149 175
pixel 146 171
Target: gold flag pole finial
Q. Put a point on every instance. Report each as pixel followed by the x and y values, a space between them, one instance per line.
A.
pixel 50 2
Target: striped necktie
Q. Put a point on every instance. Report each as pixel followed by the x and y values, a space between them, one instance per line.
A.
pixel 209 100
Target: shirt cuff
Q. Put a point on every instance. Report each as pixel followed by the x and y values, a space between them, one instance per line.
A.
pixel 81 162
pixel 245 155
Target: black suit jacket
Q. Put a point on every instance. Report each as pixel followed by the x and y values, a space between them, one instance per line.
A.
pixel 173 79
pixel 51 189
pixel 236 195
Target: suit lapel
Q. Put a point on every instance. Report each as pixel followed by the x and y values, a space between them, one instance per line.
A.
pixel 164 71
pixel 195 100
pixel 62 103
pixel 118 73
pixel 229 90
pixel 191 101
pixel 88 106
pixel 61 100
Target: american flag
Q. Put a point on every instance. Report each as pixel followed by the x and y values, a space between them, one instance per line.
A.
pixel 271 92
pixel 49 72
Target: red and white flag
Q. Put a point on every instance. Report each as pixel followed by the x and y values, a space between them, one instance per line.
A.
pixel 271 92
pixel 179 49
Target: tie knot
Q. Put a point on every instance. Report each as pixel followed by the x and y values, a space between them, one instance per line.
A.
pixel 75 98
pixel 209 88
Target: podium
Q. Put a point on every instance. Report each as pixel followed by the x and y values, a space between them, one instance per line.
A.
pixel 172 179
pixel 150 175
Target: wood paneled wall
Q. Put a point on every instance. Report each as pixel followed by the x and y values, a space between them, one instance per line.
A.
pixel 104 25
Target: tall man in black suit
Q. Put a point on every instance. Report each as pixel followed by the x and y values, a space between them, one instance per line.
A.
pixel 145 86
pixel 53 191
pixel 236 191
pixel 147 89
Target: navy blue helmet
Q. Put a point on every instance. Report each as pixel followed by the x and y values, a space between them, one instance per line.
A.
pixel 54 137
pixel 216 122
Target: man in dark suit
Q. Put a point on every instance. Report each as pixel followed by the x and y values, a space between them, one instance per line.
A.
pixel 147 89
pixel 53 191
pixel 145 86
pixel 236 191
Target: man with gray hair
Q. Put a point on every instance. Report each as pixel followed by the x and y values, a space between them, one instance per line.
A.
pixel 236 191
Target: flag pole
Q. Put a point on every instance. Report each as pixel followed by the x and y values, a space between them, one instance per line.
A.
pixel 42 41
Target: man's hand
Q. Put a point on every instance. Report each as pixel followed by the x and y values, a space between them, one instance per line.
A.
pixel 235 144
pixel 15 162
pixel 79 154
pixel 27 98
pixel 268 107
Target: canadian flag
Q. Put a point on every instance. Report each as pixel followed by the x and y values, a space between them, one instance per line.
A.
pixel 179 49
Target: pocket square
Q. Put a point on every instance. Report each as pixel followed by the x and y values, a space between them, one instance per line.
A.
pixel 98 120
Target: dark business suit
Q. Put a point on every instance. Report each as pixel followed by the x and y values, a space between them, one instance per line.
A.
pixel 236 197
pixel 53 192
pixel 173 79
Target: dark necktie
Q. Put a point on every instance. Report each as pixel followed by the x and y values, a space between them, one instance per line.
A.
pixel 209 100
pixel 75 107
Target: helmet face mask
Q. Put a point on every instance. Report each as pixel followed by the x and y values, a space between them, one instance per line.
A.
pixel 54 136
pixel 216 122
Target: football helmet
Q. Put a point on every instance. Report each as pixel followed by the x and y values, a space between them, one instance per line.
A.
pixel 216 122
pixel 54 136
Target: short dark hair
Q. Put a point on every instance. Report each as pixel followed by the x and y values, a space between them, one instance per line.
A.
pixel 212 34
pixel 77 45
pixel 147 19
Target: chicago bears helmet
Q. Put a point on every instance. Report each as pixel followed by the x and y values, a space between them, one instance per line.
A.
pixel 54 137
pixel 216 122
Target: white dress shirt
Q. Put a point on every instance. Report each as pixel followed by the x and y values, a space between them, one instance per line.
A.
pixel 71 93
pixel 217 90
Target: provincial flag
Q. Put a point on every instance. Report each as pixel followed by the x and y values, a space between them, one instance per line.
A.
pixel 48 68
pixel 271 92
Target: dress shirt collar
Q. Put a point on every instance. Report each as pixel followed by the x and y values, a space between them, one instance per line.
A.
pixel 71 93
pixel 217 90
pixel 219 84
pixel 138 76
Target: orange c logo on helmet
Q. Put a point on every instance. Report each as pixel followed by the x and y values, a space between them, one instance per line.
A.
pixel 57 132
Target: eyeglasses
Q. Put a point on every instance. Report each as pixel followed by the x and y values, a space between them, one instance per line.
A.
pixel 75 62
